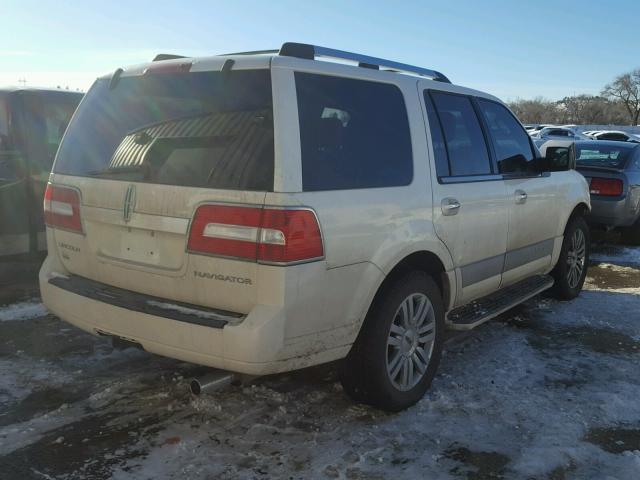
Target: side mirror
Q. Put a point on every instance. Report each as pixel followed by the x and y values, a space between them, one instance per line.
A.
pixel 560 159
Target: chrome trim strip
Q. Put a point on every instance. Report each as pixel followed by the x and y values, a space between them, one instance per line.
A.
pixel 470 178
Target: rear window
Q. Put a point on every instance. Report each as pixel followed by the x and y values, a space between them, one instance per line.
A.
pixel 44 119
pixel 612 156
pixel 613 136
pixel 203 129
pixel 353 134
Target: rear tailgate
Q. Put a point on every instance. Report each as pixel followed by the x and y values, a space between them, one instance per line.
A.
pixel 142 157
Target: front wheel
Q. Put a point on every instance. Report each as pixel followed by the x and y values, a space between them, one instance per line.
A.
pixel 571 269
pixel 397 352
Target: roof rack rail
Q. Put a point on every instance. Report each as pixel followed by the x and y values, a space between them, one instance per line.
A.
pixel 166 56
pixel 310 52
pixel 255 52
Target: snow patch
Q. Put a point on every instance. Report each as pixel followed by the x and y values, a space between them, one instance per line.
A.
pixel 622 255
pixel 23 311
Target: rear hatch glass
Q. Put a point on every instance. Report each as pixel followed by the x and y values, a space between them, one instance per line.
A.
pixel 203 129
pixel 603 156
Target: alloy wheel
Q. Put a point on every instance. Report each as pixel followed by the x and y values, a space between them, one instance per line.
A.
pixel 410 341
pixel 576 257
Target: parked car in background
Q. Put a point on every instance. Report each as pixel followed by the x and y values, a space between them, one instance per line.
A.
pixel 556 133
pixel 536 128
pixel 261 213
pixel 32 122
pixel 615 135
pixel 613 172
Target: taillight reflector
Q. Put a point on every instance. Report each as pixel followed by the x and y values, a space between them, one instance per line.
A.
pixel 62 208
pixel 610 187
pixel 266 235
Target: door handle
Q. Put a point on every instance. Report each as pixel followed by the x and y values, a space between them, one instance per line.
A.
pixel 450 206
pixel 521 196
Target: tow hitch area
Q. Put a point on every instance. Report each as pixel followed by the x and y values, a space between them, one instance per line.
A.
pixel 211 382
pixel 120 343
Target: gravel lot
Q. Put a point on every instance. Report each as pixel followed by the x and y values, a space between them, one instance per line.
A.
pixel 549 390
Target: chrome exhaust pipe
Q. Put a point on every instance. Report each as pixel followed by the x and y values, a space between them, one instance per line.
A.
pixel 211 382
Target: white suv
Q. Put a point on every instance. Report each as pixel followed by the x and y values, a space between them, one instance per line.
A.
pixel 265 212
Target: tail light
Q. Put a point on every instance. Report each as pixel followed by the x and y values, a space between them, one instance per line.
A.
pixel 609 187
pixel 265 235
pixel 62 208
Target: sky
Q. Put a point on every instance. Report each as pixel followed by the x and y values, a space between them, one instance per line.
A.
pixel 509 48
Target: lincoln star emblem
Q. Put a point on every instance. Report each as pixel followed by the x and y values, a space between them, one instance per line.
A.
pixel 129 202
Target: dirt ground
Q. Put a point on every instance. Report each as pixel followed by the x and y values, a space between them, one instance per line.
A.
pixel 549 390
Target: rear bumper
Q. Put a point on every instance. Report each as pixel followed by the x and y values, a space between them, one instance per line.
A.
pixel 257 344
pixel 613 212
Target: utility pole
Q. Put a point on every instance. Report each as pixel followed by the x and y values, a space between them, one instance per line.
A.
pixel 23 81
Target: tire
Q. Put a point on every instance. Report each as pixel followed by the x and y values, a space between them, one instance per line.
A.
pixel 571 269
pixel 368 371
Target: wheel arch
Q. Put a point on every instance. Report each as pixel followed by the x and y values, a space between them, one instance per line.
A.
pixel 581 209
pixel 422 260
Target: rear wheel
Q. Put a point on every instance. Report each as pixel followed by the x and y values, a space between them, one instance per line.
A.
pixel 397 352
pixel 571 269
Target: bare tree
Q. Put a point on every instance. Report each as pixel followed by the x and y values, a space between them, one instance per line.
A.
pixel 537 110
pixel 589 110
pixel 626 89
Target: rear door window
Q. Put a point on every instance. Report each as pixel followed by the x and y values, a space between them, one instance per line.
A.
pixel 201 129
pixel 353 133
pixel 466 146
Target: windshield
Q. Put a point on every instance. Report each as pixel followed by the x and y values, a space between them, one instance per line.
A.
pixel 610 156
pixel 205 129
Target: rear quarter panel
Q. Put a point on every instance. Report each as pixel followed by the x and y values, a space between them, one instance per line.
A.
pixel 573 190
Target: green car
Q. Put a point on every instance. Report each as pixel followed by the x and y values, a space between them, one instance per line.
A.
pixel 32 122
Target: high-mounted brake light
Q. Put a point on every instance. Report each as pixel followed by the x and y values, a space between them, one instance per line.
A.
pixel 266 235
pixel 608 187
pixel 168 67
pixel 62 208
